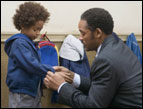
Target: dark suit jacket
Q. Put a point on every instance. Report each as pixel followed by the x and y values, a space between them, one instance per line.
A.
pixel 116 80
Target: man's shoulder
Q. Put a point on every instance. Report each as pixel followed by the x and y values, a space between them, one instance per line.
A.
pixel 113 51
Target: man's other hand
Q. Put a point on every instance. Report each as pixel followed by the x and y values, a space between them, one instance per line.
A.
pixel 65 73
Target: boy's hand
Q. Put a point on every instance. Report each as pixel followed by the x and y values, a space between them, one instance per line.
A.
pixel 53 81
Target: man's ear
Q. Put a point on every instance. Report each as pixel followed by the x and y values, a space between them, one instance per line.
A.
pixel 98 33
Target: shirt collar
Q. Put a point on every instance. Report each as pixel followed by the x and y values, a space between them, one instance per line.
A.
pixel 98 50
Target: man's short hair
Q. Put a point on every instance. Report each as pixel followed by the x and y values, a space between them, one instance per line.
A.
pixel 98 18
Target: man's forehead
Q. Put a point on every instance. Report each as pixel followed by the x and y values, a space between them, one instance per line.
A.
pixel 82 25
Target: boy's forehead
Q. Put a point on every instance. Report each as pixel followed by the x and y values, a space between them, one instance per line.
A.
pixel 39 24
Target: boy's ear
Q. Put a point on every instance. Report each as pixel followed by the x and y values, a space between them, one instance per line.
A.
pixel 22 28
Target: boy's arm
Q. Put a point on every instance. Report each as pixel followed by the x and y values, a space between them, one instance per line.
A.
pixel 25 60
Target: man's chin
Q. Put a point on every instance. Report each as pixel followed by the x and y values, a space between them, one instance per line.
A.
pixel 86 49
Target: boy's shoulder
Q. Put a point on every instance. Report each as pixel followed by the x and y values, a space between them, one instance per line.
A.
pixel 19 42
pixel 21 39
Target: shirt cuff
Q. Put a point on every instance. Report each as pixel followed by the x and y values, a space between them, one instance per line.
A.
pixel 76 80
pixel 61 86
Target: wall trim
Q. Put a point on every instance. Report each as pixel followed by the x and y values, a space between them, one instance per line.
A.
pixel 60 37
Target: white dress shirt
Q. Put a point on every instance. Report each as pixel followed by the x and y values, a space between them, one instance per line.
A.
pixel 76 82
pixel 76 79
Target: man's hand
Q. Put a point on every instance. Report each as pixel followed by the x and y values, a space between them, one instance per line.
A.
pixel 65 73
pixel 53 81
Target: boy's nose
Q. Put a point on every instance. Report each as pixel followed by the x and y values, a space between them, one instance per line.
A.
pixel 38 32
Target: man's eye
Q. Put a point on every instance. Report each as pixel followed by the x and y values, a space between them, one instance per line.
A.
pixel 83 34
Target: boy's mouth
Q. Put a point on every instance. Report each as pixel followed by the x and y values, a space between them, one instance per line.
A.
pixel 36 36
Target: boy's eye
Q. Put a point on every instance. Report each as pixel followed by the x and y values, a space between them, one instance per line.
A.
pixel 37 29
pixel 34 29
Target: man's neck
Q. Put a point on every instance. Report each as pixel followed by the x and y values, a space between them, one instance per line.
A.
pixel 98 50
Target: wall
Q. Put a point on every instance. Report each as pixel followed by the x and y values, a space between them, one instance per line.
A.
pixel 65 15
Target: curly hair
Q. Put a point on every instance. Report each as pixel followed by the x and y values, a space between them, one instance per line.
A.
pixel 28 14
pixel 98 18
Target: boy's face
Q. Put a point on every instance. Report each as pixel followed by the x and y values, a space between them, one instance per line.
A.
pixel 34 31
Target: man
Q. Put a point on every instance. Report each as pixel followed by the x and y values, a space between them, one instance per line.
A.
pixel 116 74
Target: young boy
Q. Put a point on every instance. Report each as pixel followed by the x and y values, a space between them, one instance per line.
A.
pixel 25 72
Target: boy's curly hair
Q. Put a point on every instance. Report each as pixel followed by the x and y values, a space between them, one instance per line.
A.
pixel 28 14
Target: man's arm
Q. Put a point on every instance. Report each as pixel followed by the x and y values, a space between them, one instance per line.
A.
pixel 102 90
pixel 80 82
pixel 85 84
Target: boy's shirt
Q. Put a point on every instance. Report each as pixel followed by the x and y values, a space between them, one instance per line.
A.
pixel 24 67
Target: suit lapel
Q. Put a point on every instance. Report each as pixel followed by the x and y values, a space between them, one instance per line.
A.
pixel 92 68
pixel 105 42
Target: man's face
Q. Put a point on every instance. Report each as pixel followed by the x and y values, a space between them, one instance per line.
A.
pixel 34 31
pixel 87 37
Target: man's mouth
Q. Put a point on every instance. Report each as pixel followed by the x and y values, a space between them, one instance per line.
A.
pixel 84 46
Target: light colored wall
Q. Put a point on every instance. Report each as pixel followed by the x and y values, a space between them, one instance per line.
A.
pixel 65 15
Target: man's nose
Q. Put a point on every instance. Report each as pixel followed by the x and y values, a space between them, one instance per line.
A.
pixel 81 39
